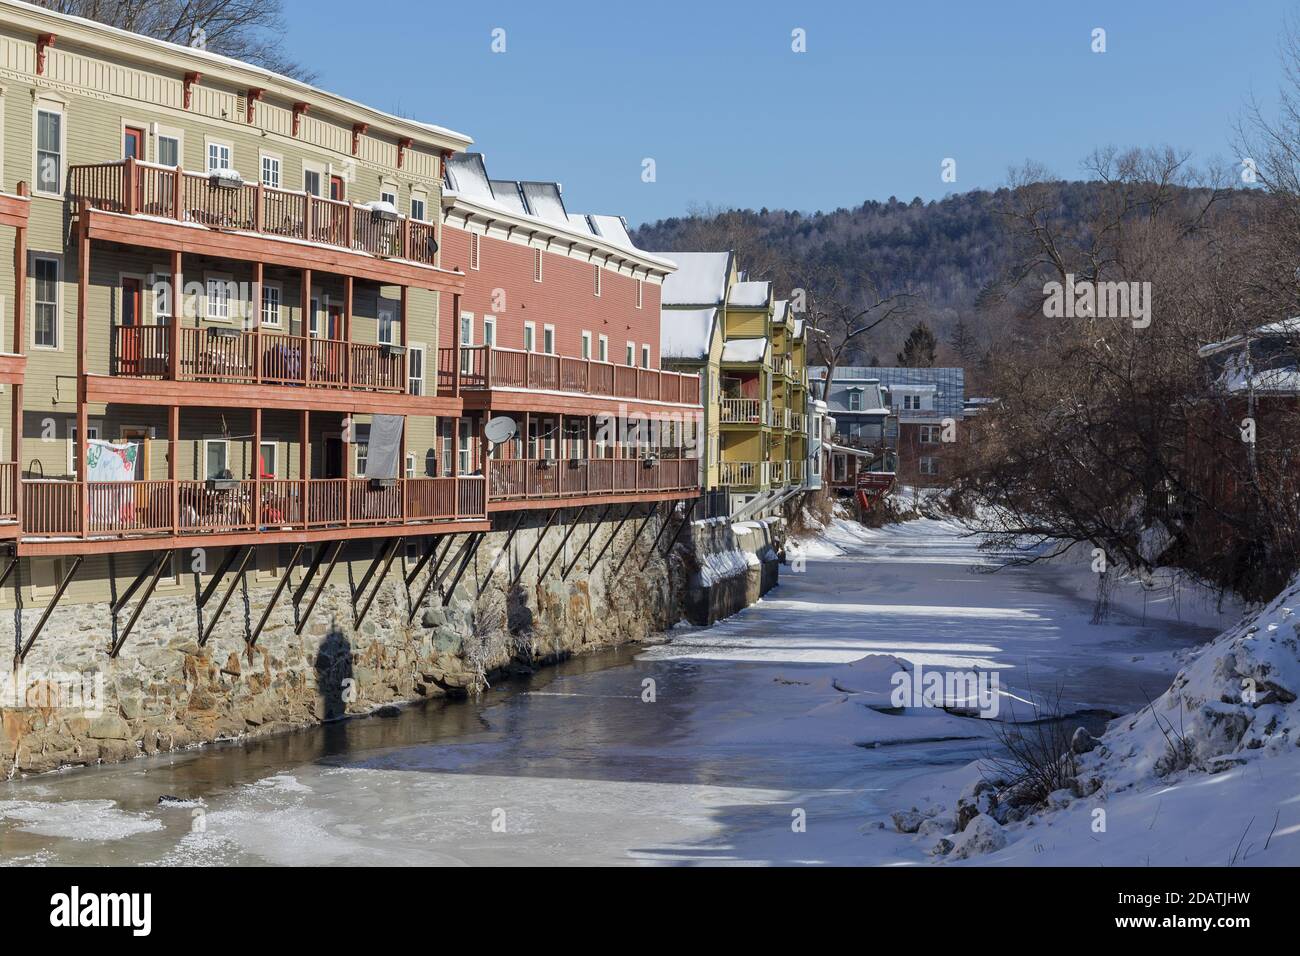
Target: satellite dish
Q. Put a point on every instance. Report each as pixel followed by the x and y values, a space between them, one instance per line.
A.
pixel 500 430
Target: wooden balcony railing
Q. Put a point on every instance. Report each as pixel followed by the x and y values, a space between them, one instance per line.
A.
pixel 776 472
pixel 527 478
pixel 234 356
pixel 8 489
pixel 146 189
pixel 482 367
pixel 117 508
pixel 743 474
pixel 747 411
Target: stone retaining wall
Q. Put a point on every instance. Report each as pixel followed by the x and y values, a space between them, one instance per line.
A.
pixel 165 692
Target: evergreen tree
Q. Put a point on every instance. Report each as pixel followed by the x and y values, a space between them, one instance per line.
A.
pixel 962 341
pixel 919 348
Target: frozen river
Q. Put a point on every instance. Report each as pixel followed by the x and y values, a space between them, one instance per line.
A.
pixel 743 737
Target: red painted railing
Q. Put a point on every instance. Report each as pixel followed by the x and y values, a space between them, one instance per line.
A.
pixel 231 355
pixel 479 367
pixel 137 188
pixel 526 478
pixel 127 508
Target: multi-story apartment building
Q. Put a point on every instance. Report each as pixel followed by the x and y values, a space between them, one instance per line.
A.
pixel 226 300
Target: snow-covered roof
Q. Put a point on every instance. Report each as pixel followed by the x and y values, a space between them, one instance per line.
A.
pixel 545 202
pixel 686 333
pixel 700 279
pixel 612 228
pixel 508 193
pixel 798 328
pixel 750 295
pixel 1239 377
pixel 467 175
pixel 744 350
pixel 1284 328
pixel 117 40
pixel 779 309
pixel 580 222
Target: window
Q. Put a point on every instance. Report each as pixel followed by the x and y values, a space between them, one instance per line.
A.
pixel 216 457
pixel 362 446
pixel 586 345
pixel 640 292
pixel 465 340
pixel 489 330
pixel 530 335
pixel 912 402
pixel 415 370
pixel 929 434
pixel 473 250
pixel 602 351
pixel 929 466
pixel 162 298
pixel 855 400
pixel 417 207
pixel 74 449
pixel 169 150
pixel 645 356
pixel 548 339
pixel 218 300
pixel 312 180
pixel 270 170
pixel 388 194
pixel 631 353
pixel 45 304
pixel 49 151
pixel 269 459
pixel 410 464
pixel 466 447
pixel 387 323
pixel 444 431
pixel 218 156
pixel 537 265
pixel 597 268
pixel 271 295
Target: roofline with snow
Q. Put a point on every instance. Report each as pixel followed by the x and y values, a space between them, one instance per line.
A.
pixel 24 17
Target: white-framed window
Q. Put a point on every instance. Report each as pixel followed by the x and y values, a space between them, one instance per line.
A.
pixel 465 339
pixel 444 435
pixel 216 457
pixel 271 165
pixel 489 330
pixel 410 464
pixel 218 303
pixel 548 339
pixel 602 348
pixel 51 147
pixel 162 297
pixel 387 321
pixel 168 147
pixel 537 265
pixel 269 459
pixel 388 194
pixel 473 250
pixel 47 303
pixel 272 299
pixel 466 447
pixel 415 370
pixel 855 400
pixel 929 466
pixel 530 337
pixel 640 292
pixel 929 434
pixel 586 345
pixel 645 356
pixel 418 204
pixel 596 266
pixel 74 450
pixel 631 353
pixel 315 177
pixel 219 155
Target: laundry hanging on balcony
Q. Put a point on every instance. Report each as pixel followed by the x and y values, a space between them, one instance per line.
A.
pixel 384 452
pixel 106 461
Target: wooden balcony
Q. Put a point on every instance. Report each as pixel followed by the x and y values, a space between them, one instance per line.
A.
pixel 472 368
pixel 183 508
pixel 233 356
pixel 743 475
pixel 144 189
pixel 558 479
pixel 744 411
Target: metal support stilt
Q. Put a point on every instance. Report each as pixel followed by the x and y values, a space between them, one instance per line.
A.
pixel 564 572
pixel 157 570
pixel 676 534
pixel 469 556
pixel 614 534
pixel 654 510
pixel 320 585
pixel 275 596
pixel 225 599
pixel 49 609
pixel 536 544
pixel 563 541
pixel 505 549
pixel 388 561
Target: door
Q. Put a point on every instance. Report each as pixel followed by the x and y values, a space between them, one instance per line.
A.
pixel 134 508
pixel 129 345
pixel 333 463
pixel 336 188
pixel 332 364
pixel 133 143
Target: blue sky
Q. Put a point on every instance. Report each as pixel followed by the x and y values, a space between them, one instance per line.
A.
pixel 712 91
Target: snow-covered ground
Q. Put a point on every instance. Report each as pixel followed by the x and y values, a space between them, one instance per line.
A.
pixel 770 737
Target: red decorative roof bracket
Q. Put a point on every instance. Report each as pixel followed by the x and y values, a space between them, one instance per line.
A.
pixel 299 110
pixel 190 80
pixel 43 42
pixel 403 145
pixel 252 95
pixel 358 130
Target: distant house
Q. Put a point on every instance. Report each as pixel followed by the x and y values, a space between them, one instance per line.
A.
pixel 919 433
